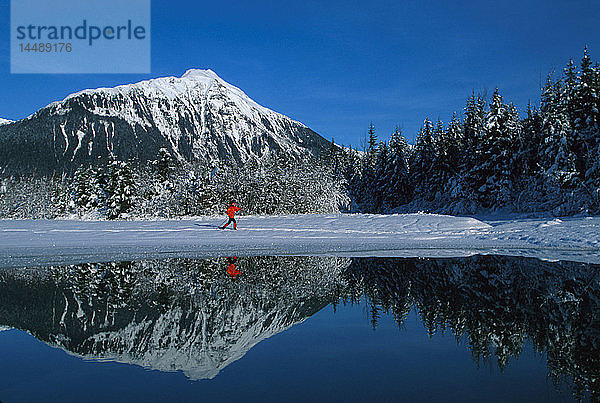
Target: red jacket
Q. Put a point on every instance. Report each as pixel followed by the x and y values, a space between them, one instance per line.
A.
pixel 232 210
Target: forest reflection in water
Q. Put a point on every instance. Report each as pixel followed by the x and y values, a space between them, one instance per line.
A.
pixel 199 316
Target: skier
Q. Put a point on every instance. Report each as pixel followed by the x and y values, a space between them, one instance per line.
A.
pixel 231 210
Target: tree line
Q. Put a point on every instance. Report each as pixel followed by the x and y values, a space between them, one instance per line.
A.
pixel 490 158
pixel 168 188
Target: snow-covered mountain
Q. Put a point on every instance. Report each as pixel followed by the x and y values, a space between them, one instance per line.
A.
pixel 197 117
pixel 5 121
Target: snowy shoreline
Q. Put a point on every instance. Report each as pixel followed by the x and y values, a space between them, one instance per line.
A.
pixel 45 242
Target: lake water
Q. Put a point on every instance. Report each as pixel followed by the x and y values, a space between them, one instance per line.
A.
pixel 483 328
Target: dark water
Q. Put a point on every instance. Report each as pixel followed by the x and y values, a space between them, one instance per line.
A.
pixel 485 328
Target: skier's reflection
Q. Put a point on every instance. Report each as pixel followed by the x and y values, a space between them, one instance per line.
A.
pixel 231 269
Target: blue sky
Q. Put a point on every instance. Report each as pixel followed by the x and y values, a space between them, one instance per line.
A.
pixel 338 65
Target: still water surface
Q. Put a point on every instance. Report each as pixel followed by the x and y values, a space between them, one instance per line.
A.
pixel 484 328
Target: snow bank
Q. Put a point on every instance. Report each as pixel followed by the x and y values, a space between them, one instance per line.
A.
pixel 34 242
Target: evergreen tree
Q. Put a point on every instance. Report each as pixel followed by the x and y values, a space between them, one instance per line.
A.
pixel 343 160
pixel 367 187
pixel 473 128
pixel 514 133
pixel 557 159
pixel 368 181
pixel 399 189
pixel 451 143
pixel 530 144
pixel 166 168
pixel 439 173
pixel 423 161
pixel 568 94
pixel 165 165
pixel 383 178
pixel 353 176
pixel 83 188
pixel 372 139
pixel 198 195
pixel 120 188
pixel 471 151
pixel 586 117
pixel 336 159
pixel 398 144
pixel 89 189
pixel 493 172
pixel 493 146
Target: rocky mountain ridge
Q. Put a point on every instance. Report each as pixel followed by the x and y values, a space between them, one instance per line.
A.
pixel 197 117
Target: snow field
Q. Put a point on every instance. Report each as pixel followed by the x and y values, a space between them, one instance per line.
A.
pixel 38 242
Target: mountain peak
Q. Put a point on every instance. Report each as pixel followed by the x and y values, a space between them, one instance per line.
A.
pixel 199 73
pixel 198 117
pixel 5 121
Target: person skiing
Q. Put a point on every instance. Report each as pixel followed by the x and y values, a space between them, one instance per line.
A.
pixel 231 210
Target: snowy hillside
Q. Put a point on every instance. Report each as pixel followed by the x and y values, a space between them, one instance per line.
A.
pixel 5 121
pixel 197 117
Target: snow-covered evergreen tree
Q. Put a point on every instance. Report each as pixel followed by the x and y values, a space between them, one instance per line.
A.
pixel 423 161
pixel 450 143
pixel 120 188
pixel 527 162
pixel 353 177
pixel 399 189
pixel 514 130
pixel 568 94
pixel 586 122
pixel 165 165
pixel 471 153
pixel 84 190
pixel 368 177
pixel 473 127
pixel 494 169
pixel 196 194
pixel 587 128
pixel 383 177
pixel 89 190
pixel 587 116
pixel 557 159
pixel 439 173
pixel 372 145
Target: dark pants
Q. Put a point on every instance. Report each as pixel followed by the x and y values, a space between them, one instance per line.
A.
pixel 231 220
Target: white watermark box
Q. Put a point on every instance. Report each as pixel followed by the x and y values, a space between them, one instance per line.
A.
pixel 80 36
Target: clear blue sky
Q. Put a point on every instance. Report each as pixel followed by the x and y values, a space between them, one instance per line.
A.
pixel 338 65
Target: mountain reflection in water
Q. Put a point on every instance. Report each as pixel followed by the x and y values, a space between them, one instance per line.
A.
pixel 195 316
